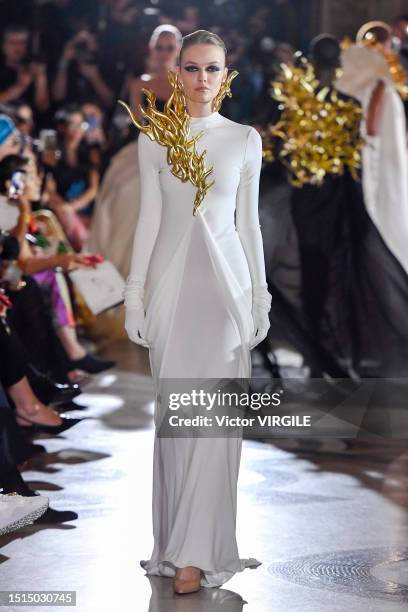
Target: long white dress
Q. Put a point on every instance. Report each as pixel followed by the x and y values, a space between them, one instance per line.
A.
pixel 199 273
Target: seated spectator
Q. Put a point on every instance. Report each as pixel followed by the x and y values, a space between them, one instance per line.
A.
pixel 9 140
pixel 18 404
pixel 73 179
pixel 30 411
pixel 15 216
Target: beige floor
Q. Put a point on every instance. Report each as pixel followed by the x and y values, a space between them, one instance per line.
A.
pixel 329 524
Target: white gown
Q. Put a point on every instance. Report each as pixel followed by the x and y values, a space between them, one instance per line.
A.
pixel 199 273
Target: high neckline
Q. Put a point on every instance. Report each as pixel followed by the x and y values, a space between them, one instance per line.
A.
pixel 206 121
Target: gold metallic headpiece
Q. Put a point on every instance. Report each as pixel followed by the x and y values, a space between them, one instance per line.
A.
pixel 171 129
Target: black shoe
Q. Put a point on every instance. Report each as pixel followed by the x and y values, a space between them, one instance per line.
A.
pixel 12 481
pixel 67 422
pixel 51 392
pixel 90 364
pixel 35 449
pixel 16 446
pixel 52 516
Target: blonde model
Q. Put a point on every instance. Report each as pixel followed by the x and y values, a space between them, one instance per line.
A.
pixel 197 297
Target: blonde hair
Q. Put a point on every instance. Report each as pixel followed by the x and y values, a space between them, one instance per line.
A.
pixel 201 37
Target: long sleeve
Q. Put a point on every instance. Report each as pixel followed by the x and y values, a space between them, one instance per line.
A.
pixel 148 223
pixel 247 216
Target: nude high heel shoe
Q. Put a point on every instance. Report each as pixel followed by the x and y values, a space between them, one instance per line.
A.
pixel 187 580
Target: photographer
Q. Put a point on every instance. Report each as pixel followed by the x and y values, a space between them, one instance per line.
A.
pixel 79 76
pixel 22 80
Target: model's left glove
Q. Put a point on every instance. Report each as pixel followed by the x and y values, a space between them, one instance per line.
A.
pixel 134 312
pixel 261 305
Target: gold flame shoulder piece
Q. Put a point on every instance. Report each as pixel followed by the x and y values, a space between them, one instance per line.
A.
pixel 318 132
pixel 171 129
pixel 398 74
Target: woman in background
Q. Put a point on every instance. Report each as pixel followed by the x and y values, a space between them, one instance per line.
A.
pixel 117 205
pixel 380 226
pixel 164 47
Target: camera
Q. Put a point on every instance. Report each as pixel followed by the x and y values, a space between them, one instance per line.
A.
pixel 83 54
pixel 18 183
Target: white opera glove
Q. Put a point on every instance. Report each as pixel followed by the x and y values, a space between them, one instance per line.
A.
pixel 261 305
pixel 249 231
pixel 134 311
pixel 147 227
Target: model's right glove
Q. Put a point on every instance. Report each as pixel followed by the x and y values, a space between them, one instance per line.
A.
pixel 147 227
pixel 134 311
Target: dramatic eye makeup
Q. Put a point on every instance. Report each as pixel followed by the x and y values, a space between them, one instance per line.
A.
pixel 210 68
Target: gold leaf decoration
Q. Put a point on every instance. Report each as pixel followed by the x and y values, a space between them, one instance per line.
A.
pixel 171 129
pixel 318 132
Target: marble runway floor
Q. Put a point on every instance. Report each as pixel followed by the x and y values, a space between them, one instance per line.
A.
pixel 327 520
